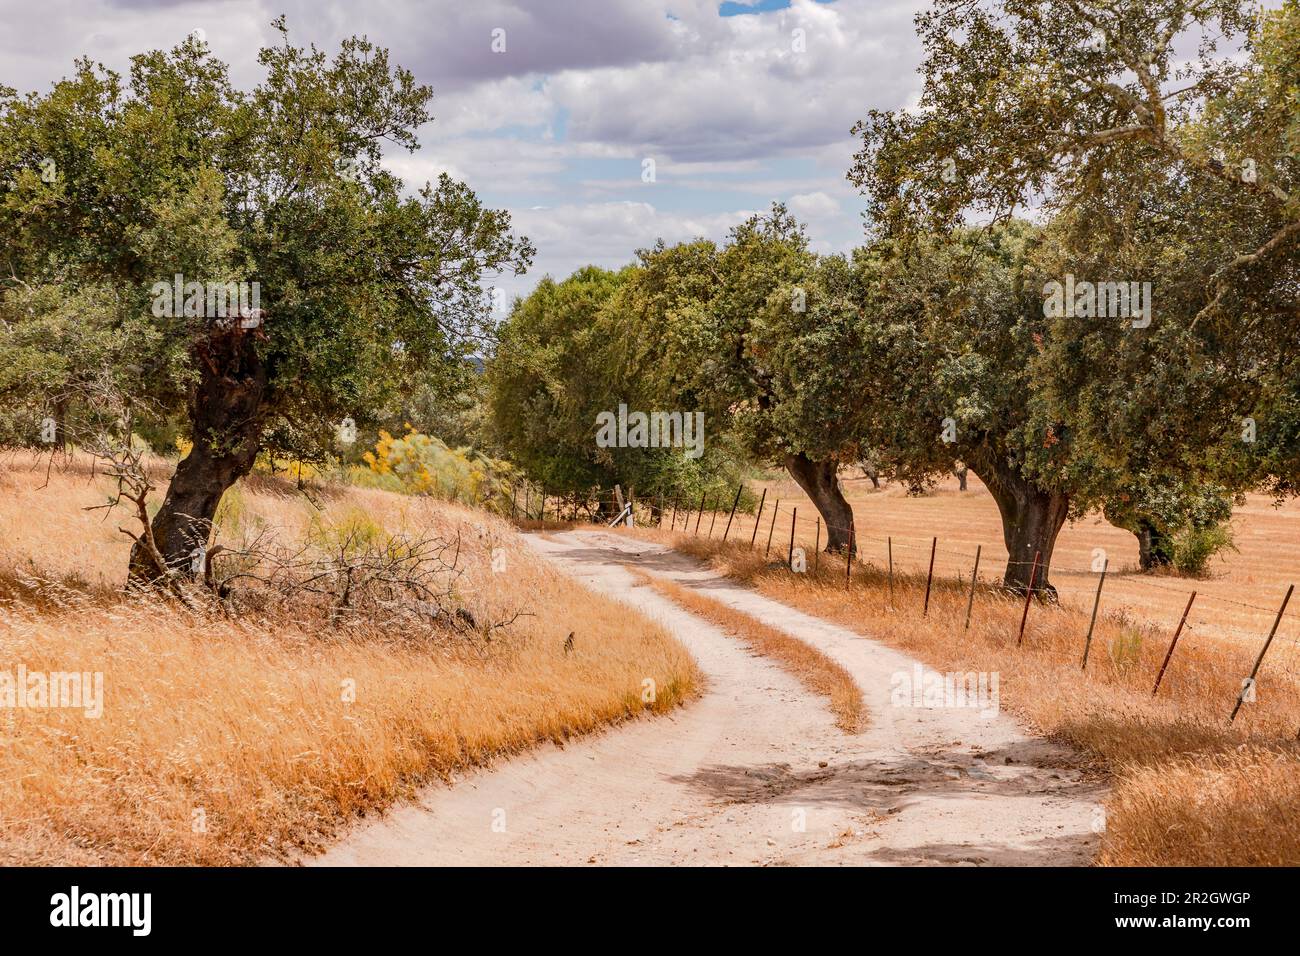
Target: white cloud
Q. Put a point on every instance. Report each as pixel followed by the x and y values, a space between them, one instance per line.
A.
pixel 816 205
pixel 40 40
pixel 740 88
pixel 451 43
pixel 606 234
pixel 512 101
pixel 737 111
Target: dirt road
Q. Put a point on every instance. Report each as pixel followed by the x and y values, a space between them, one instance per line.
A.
pixel 755 771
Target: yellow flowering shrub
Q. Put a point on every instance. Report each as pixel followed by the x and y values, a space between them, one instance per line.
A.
pixel 425 465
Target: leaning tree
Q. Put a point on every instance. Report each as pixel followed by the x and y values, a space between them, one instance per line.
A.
pixel 950 328
pixel 171 172
pixel 732 330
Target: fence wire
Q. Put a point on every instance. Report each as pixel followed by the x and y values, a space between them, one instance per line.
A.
pixel 775 522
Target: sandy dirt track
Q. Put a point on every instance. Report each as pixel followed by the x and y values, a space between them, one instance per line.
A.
pixel 754 771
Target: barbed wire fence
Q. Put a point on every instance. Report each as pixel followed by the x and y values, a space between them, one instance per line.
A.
pixel 717 515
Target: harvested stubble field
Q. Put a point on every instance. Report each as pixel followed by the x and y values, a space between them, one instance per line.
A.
pixel 1239 595
pixel 227 741
pixel 1189 788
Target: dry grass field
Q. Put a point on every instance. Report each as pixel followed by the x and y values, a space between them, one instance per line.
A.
pixel 1190 788
pixel 228 741
pixel 1238 596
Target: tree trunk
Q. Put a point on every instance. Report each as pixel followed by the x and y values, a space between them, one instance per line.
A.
pixel 1031 520
pixel 226 418
pixel 872 472
pixel 960 475
pixel 1155 548
pixel 60 417
pixel 819 481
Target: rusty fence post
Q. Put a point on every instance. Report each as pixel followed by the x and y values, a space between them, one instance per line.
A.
pixel 1096 603
pixel 731 516
pixel 1172 644
pixel 1029 596
pixel 974 576
pixel 929 578
pixel 758 519
pixel 889 545
pixel 776 508
pixel 789 561
pixel 1250 681
pixel 848 558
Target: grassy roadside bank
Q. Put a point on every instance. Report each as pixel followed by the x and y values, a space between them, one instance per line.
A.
pixel 227 740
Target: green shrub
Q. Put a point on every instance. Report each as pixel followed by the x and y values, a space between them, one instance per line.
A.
pixel 231 511
pixel 1193 547
pixel 352 532
pixel 362 477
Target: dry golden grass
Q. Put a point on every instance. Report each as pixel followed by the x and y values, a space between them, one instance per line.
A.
pixel 1236 808
pixel 1237 597
pixel 814 669
pixel 1189 787
pixel 242 725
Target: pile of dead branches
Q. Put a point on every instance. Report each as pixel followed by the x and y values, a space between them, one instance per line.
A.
pixel 402 582
pixel 342 580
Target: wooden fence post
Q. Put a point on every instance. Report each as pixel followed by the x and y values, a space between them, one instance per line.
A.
pixel 758 519
pixel 789 561
pixel 731 516
pixel 1172 644
pixel 699 516
pixel 934 546
pixel 776 508
pixel 673 526
pixel 1029 596
pixel 848 558
pixel 1096 602
pixel 817 546
pixel 889 547
pixel 974 576
pixel 713 516
pixel 1263 650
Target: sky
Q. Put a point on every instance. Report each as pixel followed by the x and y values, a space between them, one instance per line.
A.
pixel 554 109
